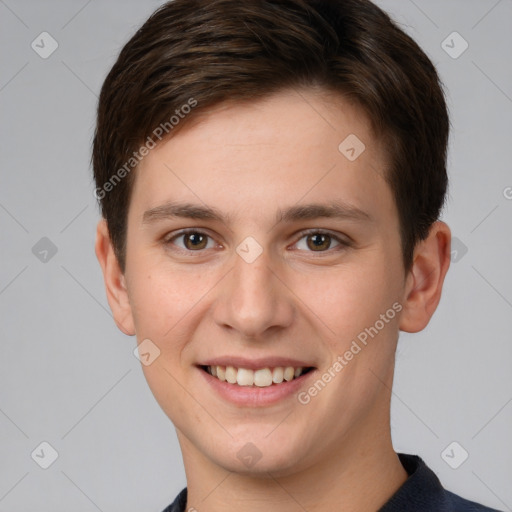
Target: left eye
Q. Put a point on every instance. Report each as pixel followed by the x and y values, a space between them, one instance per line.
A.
pixel 318 241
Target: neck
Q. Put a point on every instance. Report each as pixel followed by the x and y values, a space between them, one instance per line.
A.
pixel 360 474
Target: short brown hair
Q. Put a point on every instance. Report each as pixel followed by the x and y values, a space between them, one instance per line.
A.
pixel 205 52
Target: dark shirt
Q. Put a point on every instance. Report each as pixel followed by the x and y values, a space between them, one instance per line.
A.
pixel 421 492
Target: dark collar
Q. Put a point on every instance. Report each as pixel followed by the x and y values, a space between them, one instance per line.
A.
pixel 422 491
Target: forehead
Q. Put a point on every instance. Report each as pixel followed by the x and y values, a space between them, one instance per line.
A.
pixel 291 147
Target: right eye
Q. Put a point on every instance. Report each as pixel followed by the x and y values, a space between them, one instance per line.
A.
pixel 193 240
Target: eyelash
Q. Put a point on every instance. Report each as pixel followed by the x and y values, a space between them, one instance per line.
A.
pixel 343 244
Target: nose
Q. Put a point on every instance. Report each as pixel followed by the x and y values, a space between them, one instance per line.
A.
pixel 253 299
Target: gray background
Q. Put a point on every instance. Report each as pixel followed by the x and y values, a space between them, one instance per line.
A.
pixel 69 377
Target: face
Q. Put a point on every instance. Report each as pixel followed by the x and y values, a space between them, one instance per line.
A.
pixel 256 241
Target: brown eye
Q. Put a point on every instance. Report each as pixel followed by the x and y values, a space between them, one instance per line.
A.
pixel 191 241
pixel 318 241
pixel 194 241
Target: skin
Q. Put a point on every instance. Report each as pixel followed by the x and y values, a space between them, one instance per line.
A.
pixel 248 161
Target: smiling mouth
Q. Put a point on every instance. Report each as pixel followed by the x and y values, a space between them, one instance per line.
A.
pixel 262 378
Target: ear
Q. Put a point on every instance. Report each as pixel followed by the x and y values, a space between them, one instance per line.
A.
pixel 115 284
pixel 424 282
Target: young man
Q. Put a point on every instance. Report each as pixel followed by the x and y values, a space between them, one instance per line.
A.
pixel 271 175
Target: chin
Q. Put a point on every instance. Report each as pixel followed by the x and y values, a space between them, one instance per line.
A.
pixel 261 455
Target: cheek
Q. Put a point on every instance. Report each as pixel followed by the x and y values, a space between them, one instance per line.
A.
pixel 344 302
pixel 168 305
pixel 344 294
pixel 164 303
pixel 163 299
pixel 164 382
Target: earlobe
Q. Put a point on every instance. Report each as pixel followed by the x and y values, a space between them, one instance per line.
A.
pixel 424 283
pixel 115 281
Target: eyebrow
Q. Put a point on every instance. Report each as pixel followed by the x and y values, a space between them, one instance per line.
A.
pixel 335 209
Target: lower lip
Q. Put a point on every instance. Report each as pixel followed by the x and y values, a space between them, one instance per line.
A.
pixel 253 396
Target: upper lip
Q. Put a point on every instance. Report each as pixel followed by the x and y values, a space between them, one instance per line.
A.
pixel 255 364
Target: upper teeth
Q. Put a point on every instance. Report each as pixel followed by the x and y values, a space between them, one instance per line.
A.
pixel 261 378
